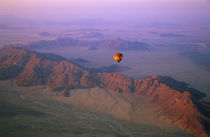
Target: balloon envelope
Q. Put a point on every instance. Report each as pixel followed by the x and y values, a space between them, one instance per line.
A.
pixel 118 57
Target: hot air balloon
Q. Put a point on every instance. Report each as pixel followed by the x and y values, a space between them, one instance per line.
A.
pixel 118 57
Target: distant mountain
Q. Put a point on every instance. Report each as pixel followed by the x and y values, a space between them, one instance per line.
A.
pixel 58 43
pixel 172 35
pixel 79 60
pixel 93 35
pixel 179 103
pixel 117 43
pixel 169 35
pixel 121 44
pixel 45 34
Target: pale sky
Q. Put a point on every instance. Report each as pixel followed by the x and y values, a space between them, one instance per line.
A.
pixel 108 9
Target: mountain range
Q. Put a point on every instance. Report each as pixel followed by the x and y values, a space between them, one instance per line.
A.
pixel 181 104
pixel 113 43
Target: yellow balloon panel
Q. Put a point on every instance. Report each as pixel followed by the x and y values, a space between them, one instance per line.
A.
pixel 118 57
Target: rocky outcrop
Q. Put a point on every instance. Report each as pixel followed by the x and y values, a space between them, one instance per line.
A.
pixel 115 82
pixel 36 72
pixel 66 75
pixel 179 106
pixel 12 62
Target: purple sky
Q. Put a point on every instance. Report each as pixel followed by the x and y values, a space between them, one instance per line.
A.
pixel 180 11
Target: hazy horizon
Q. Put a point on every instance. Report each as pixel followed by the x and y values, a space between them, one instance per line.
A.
pixel 127 11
